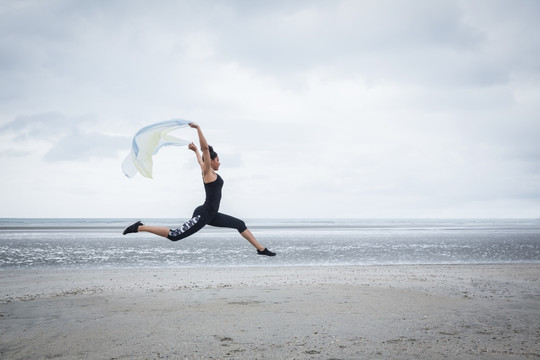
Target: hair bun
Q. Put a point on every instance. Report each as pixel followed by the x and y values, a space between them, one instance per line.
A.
pixel 213 154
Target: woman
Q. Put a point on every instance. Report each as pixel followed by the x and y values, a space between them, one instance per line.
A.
pixel 208 212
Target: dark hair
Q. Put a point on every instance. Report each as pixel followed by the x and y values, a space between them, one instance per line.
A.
pixel 213 154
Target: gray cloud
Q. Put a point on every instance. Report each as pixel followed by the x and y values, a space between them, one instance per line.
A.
pixel 377 99
pixel 82 147
pixel 38 126
pixel 69 139
pixel 320 33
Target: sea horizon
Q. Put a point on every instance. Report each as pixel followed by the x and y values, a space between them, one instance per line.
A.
pixel 98 242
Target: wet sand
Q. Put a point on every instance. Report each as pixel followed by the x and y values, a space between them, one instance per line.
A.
pixel 371 312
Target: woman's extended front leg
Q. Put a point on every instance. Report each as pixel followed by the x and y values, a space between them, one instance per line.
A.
pixel 249 237
pixel 261 250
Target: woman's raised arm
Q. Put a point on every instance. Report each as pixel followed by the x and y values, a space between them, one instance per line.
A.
pixel 193 147
pixel 205 149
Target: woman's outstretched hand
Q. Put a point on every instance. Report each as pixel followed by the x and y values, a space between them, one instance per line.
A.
pixel 193 125
pixel 193 147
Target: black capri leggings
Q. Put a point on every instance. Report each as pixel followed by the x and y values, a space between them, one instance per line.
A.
pixel 202 217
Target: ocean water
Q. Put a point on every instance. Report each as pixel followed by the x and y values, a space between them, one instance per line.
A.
pixel 98 243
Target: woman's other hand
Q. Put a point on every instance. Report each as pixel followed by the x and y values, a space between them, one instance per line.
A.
pixel 192 146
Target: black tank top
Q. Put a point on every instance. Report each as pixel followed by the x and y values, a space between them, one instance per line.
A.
pixel 213 195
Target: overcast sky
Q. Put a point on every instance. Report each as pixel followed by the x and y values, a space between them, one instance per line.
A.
pixel 318 109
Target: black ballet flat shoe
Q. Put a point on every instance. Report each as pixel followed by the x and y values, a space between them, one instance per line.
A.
pixel 133 228
pixel 266 252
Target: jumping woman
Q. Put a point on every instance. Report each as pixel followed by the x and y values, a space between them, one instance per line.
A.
pixel 206 214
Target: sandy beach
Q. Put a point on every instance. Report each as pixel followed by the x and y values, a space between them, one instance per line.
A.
pixel 363 312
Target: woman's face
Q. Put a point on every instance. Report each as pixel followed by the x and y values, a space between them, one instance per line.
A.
pixel 215 163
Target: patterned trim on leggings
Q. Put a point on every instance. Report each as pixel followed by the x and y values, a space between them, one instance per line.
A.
pixel 175 233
